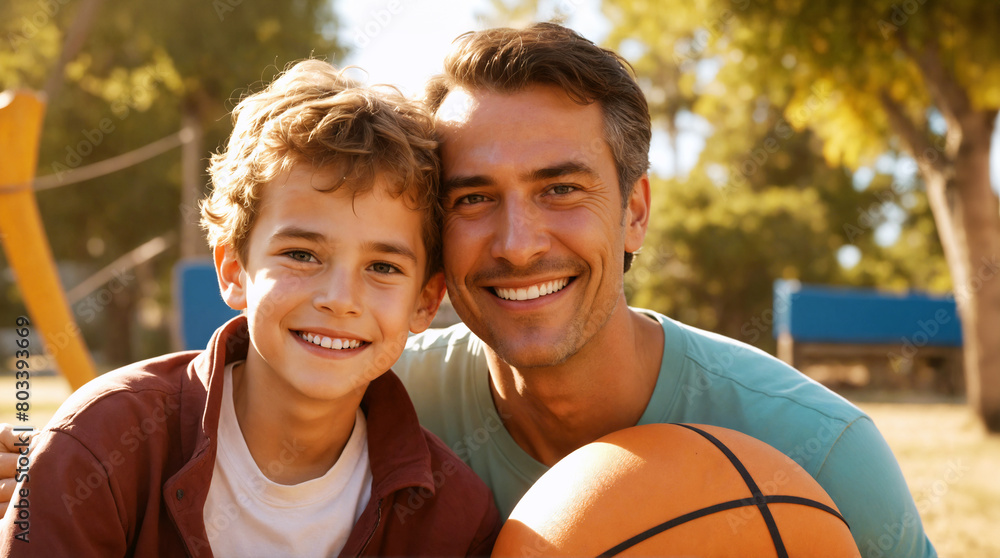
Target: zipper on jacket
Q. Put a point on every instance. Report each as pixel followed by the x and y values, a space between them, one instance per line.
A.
pixel 378 519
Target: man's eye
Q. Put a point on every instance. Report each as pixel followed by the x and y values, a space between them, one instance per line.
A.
pixel 470 199
pixel 299 255
pixel 385 268
pixel 562 189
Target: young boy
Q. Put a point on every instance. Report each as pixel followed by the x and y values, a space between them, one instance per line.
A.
pixel 286 436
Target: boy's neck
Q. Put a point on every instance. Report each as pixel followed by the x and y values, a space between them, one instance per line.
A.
pixel 291 439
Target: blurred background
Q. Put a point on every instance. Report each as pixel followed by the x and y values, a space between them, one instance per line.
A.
pixel 846 144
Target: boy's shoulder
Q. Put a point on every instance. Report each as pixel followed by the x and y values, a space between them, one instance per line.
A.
pixel 436 502
pixel 146 394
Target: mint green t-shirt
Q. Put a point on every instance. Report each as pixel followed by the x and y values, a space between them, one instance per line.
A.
pixel 705 379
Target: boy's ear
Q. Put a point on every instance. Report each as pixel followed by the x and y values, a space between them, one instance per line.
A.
pixel 232 277
pixel 427 303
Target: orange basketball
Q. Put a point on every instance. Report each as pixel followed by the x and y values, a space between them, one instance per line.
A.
pixel 676 490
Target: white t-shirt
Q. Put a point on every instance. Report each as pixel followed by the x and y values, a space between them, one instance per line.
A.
pixel 248 515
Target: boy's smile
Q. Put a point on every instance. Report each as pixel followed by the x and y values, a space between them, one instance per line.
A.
pixel 331 283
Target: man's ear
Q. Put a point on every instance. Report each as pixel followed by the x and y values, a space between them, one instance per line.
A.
pixel 637 214
pixel 232 277
pixel 427 303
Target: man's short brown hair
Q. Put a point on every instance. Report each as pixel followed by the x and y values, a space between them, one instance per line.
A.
pixel 507 60
pixel 313 114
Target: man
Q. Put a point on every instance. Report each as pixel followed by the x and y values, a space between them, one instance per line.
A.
pixel 545 141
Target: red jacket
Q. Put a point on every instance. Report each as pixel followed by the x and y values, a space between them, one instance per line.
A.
pixel 124 468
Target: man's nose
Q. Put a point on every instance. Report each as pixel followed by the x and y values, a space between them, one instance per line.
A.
pixel 521 235
pixel 339 292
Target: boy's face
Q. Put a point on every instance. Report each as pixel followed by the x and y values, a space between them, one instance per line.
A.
pixel 331 284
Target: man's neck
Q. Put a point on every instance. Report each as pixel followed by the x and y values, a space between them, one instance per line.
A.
pixel 291 440
pixel 603 388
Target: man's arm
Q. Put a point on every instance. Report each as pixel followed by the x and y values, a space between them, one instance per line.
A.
pixel 63 505
pixel 862 476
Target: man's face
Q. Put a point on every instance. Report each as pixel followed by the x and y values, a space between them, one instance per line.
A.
pixel 331 285
pixel 534 230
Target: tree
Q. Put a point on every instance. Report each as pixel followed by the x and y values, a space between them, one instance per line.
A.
pixel 870 78
pixel 139 70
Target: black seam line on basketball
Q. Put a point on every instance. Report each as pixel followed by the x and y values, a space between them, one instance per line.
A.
pixel 778 499
pixel 724 506
pixel 772 526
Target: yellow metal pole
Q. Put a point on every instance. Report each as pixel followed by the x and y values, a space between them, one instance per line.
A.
pixel 24 239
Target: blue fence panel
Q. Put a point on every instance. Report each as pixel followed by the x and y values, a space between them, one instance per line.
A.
pixel 823 314
pixel 200 307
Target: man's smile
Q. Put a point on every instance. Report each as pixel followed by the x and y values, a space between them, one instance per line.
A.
pixel 532 292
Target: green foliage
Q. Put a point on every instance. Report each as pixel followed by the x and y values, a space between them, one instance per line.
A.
pixel 792 90
pixel 141 65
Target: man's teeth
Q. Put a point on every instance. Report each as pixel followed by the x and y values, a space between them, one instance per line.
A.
pixel 532 292
pixel 330 343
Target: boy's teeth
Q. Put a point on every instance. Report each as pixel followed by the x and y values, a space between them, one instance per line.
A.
pixel 534 291
pixel 327 342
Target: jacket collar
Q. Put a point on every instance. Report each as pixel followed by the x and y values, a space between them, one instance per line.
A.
pixel 397 448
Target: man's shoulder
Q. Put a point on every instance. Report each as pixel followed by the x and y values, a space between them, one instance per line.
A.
pixel 440 338
pixel 435 350
pixel 715 364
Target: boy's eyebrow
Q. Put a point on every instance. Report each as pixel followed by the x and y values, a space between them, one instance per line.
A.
pixel 390 248
pixel 552 171
pixel 296 232
pixel 378 246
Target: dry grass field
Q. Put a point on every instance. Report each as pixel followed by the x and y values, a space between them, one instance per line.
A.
pixel 950 463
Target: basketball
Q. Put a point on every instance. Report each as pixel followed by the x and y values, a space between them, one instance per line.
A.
pixel 676 490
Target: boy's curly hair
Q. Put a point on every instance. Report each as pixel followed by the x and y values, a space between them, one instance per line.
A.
pixel 313 114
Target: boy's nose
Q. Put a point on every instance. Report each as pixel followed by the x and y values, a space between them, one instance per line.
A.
pixel 520 235
pixel 339 293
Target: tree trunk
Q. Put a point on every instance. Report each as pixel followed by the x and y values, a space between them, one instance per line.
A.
pixel 967 214
pixel 975 216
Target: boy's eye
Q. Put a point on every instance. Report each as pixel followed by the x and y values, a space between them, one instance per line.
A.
pixel 300 255
pixel 384 268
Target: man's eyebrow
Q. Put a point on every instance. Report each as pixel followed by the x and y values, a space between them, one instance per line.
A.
pixel 547 173
pixel 454 183
pixel 396 248
pixel 560 169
